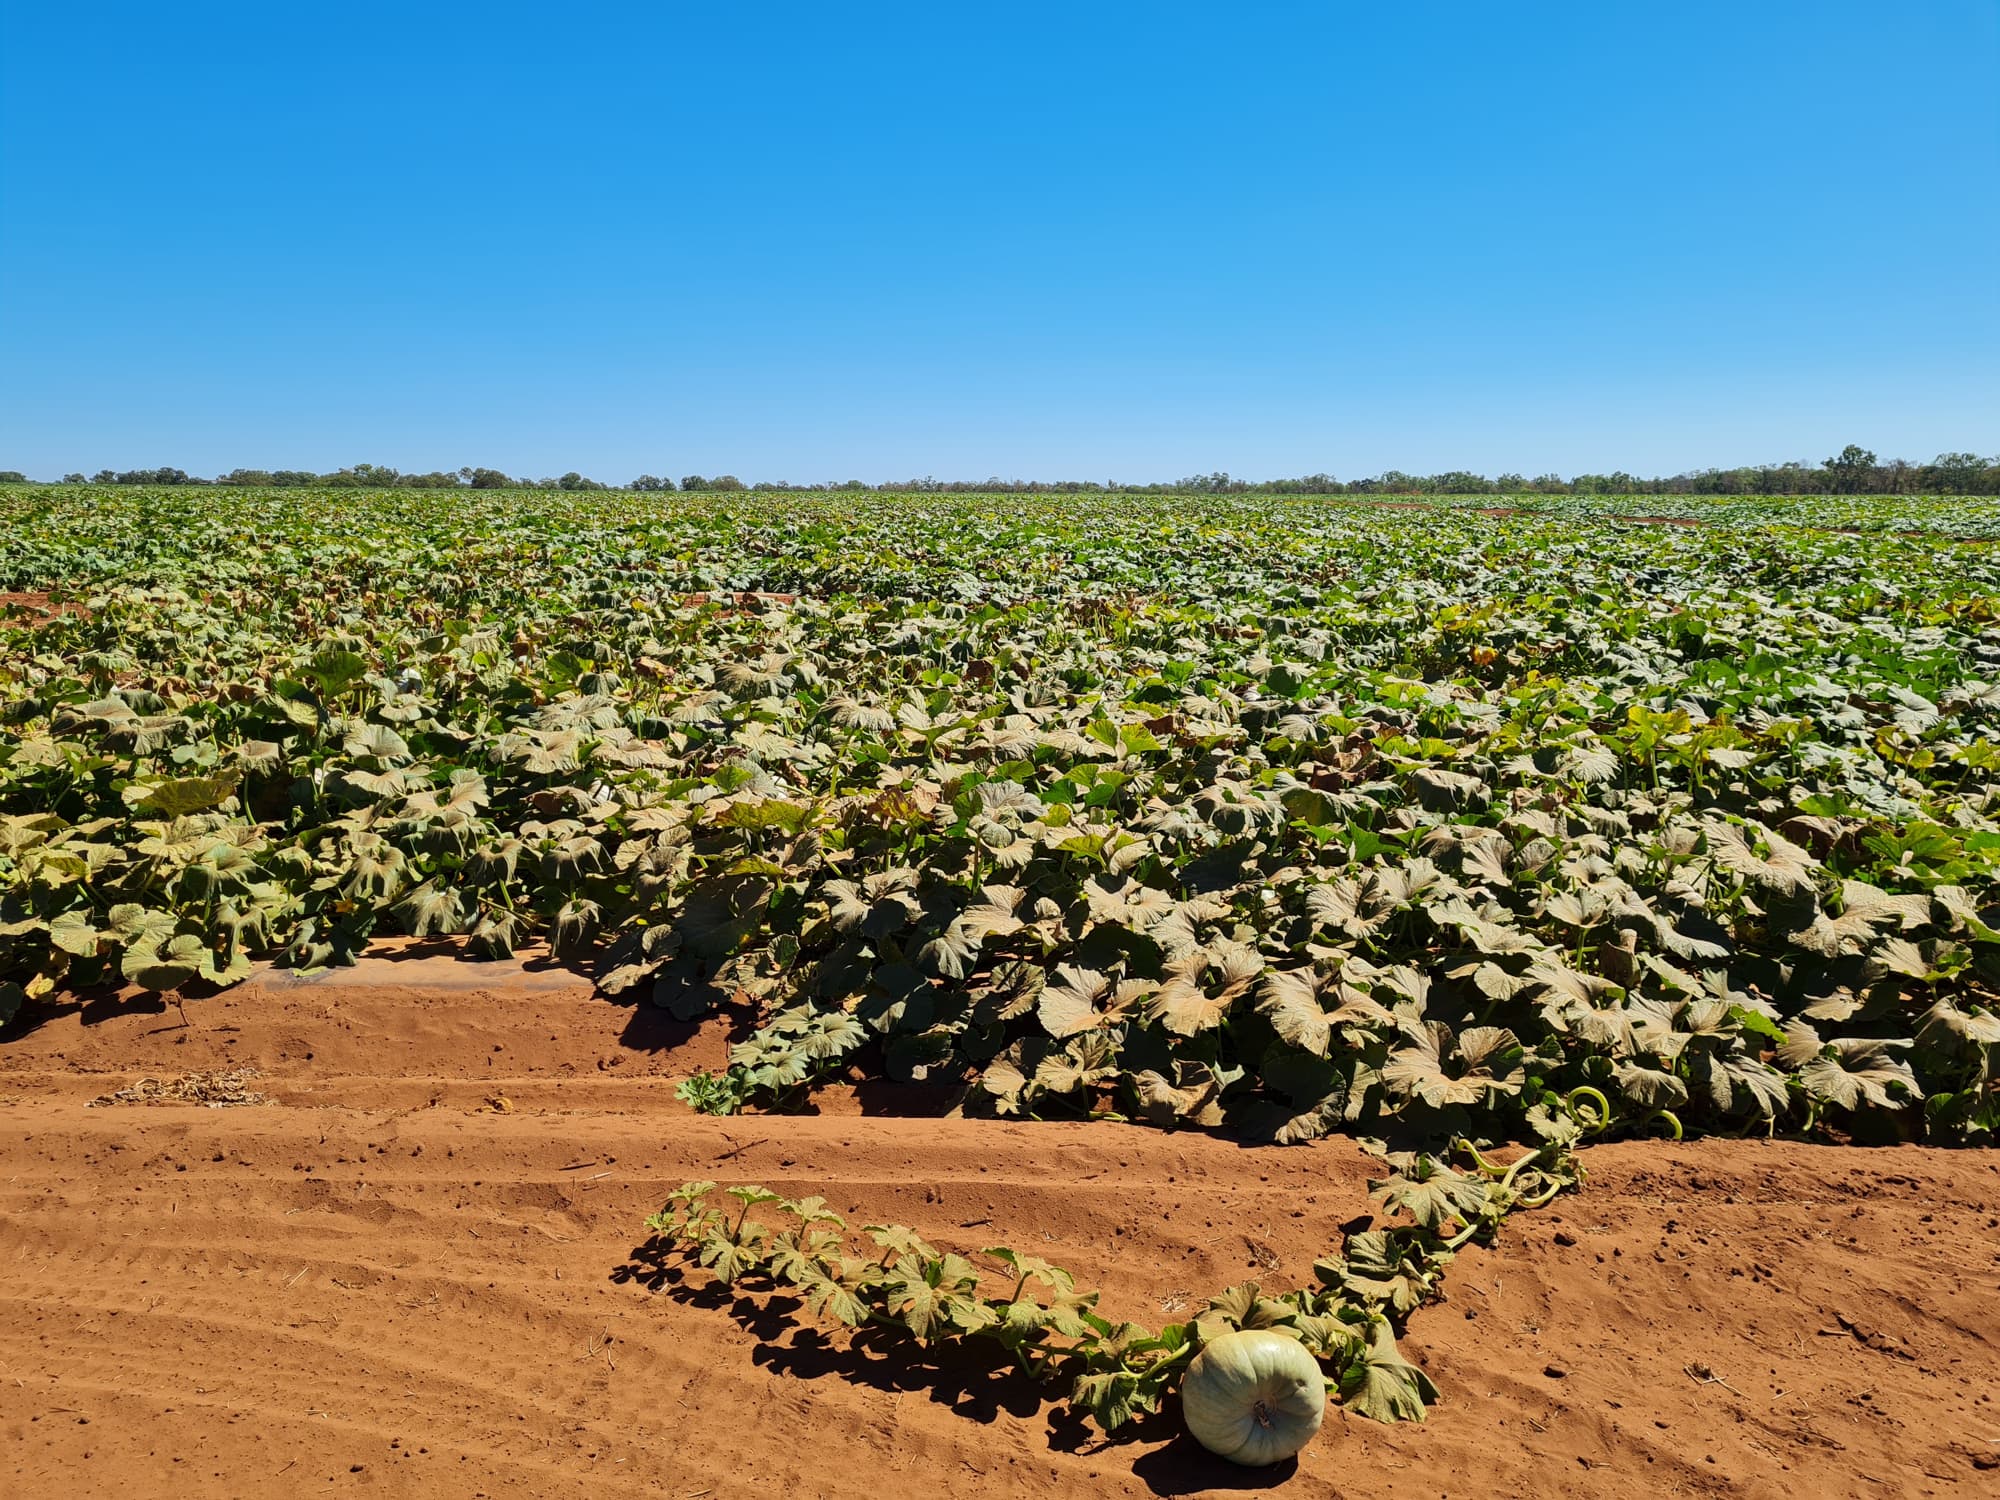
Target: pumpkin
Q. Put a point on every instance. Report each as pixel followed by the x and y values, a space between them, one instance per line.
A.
pixel 1253 1396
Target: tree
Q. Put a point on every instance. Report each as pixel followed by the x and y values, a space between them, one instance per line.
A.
pixel 486 479
pixel 362 476
pixel 141 476
pixel 1849 471
pixel 725 482
pixel 1960 474
pixel 1460 482
pixel 1217 483
pixel 694 482
pixel 12 476
pixel 74 479
pixel 650 484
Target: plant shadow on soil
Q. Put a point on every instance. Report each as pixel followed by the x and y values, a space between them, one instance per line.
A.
pixel 650 1029
pixel 965 1377
pixel 93 1008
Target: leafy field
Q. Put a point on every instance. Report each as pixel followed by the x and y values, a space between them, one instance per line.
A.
pixel 1286 816
pixel 1969 517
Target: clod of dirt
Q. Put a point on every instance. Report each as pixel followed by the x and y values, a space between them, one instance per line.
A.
pixel 1871 1338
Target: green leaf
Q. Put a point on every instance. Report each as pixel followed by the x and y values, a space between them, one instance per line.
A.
pixel 1853 1071
pixel 1377 1270
pixel 812 1210
pixel 377 742
pixel 223 970
pixel 727 1258
pixel 795 1257
pixel 1649 1088
pixel 1137 739
pixel 1756 1021
pixel 431 911
pixel 1245 1306
pixel 1433 1194
pixel 1384 1386
pixel 333 670
pixel 830 1299
pixel 180 797
pixel 72 933
pixel 789 817
pixel 1110 1399
pixel 1434 1068
pixel 168 967
pixel 901 1241
pixel 913 1301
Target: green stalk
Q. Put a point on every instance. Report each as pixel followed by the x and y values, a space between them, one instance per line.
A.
pixel 1602 1112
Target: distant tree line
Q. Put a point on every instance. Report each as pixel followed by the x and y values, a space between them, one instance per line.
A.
pixel 1852 471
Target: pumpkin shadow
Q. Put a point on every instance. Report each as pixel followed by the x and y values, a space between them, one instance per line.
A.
pixel 1183 1466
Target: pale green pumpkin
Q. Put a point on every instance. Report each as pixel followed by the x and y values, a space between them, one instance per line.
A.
pixel 1253 1396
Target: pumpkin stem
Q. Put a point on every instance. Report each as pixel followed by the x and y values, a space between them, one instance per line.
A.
pixel 1261 1412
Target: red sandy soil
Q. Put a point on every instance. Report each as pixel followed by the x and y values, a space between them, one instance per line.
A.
pixel 742 598
pixel 412 1273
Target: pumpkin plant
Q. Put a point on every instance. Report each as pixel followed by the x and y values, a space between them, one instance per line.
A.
pixel 1238 812
pixel 1032 1314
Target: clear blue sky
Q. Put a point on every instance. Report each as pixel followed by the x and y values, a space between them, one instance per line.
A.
pixel 1070 240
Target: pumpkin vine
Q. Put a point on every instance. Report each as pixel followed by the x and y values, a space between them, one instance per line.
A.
pixel 1031 1313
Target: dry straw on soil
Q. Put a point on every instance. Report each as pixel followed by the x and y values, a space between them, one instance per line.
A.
pixel 217 1089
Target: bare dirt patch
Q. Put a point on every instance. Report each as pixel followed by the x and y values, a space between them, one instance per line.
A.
pixel 34 607
pixel 388 1285
pixel 744 602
